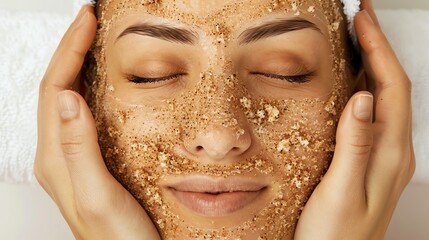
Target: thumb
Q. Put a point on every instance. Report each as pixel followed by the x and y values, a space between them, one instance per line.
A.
pixel 354 143
pixel 96 192
pixel 79 142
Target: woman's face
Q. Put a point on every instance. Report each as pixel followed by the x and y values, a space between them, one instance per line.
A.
pixel 219 116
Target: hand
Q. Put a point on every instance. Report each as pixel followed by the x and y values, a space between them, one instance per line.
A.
pixel 374 158
pixel 68 163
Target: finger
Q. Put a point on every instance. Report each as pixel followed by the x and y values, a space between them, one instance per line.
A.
pixel 369 7
pixel 393 88
pixel 63 69
pixel 49 166
pixel 392 126
pixel 389 171
pixel 393 113
pixel 67 60
pixel 88 173
pixel 354 142
pixel 95 189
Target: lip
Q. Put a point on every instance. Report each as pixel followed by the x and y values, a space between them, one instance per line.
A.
pixel 216 197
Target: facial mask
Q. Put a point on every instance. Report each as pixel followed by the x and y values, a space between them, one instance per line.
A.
pixel 290 139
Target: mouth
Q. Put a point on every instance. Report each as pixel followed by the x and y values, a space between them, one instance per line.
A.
pixel 216 197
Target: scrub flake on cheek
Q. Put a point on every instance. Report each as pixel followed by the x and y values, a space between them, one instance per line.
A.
pixel 296 136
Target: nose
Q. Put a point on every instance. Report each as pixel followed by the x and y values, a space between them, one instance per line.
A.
pixel 219 143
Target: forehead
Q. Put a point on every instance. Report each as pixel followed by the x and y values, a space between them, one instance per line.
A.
pixel 216 16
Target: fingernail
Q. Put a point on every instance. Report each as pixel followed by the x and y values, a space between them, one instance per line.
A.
pixel 81 17
pixel 68 105
pixel 367 17
pixel 363 107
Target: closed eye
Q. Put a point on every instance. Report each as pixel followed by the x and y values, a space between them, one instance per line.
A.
pixel 147 80
pixel 292 79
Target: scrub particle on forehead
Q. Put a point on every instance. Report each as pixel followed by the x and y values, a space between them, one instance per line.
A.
pixel 297 135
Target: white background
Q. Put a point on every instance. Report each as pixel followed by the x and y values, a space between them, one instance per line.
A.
pixel 28 210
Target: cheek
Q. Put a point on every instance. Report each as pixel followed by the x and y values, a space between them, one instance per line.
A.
pixel 135 147
pixel 142 121
pixel 297 135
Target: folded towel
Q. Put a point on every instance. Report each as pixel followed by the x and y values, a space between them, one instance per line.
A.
pixel 27 41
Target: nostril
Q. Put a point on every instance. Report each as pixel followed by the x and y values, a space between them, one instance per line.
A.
pixel 199 148
pixel 235 149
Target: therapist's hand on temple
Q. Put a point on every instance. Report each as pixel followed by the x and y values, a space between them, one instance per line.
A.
pixel 68 163
pixel 374 158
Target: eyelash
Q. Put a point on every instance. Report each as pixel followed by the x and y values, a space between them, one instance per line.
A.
pixel 292 79
pixel 142 80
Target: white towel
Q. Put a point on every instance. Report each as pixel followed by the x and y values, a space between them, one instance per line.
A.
pixel 351 7
pixel 27 41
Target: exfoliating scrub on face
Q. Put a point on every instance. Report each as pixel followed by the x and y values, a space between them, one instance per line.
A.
pixel 219 116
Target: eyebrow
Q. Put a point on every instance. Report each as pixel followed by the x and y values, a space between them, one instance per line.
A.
pixel 162 31
pixel 274 28
pixel 185 36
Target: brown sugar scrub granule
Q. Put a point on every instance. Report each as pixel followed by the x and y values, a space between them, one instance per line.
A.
pixel 297 133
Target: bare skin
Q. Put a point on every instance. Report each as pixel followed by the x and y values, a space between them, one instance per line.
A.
pixel 373 159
